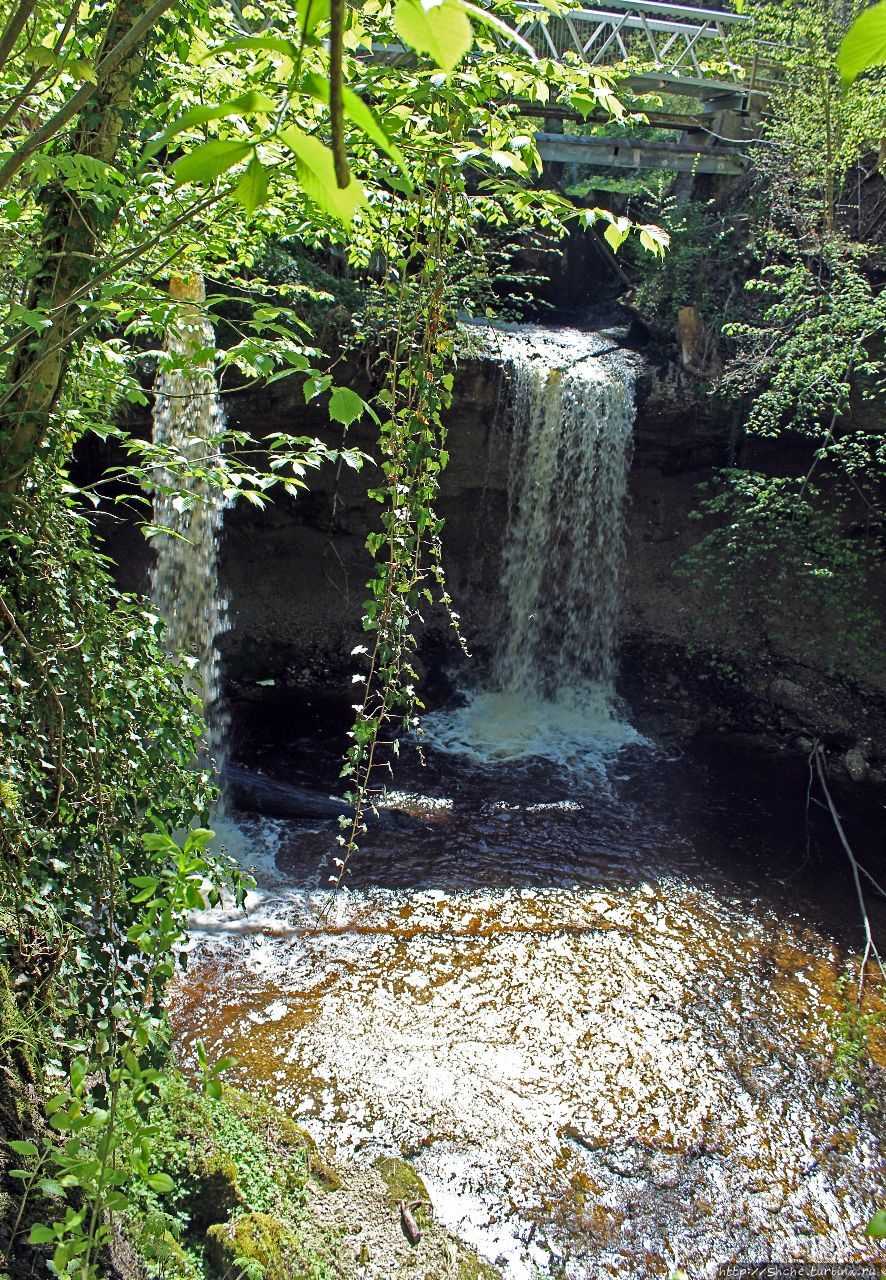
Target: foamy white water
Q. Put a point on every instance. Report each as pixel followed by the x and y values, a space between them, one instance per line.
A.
pixel 592 1081
pixel 577 730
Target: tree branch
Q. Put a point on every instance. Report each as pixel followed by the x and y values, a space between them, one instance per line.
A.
pixel 75 104
pixel 14 27
pixel 336 106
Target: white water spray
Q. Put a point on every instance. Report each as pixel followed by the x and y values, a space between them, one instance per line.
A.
pixel 551 688
pixel 188 420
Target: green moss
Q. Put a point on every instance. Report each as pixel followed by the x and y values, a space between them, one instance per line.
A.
pixel 288 1140
pixel 217 1191
pixel 472 1268
pixel 242 1181
pixel 401 1180
pixel 21 1034
pixel 257 1238
pixel 21 1028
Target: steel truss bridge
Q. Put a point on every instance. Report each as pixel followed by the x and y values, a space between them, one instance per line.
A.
pixel 671 50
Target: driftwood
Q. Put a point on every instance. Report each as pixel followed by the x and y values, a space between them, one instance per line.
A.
pixel 411 1229
pixel 257 793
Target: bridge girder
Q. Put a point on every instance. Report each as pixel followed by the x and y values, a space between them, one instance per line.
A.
pixel 629 153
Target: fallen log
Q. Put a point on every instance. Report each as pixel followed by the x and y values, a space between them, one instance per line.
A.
pixel 257 793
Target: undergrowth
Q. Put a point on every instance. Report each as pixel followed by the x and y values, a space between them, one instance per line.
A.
pixel 851 1031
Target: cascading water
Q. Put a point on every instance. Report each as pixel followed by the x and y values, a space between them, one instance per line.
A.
pixel 188 421
pixel 551 686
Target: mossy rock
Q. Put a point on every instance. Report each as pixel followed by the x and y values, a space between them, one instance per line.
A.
pixel 323 1173
pixel 258 1237
pixel 263 1116
pixel 401 1180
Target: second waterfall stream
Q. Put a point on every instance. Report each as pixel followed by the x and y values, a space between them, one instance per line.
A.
pixel 188 421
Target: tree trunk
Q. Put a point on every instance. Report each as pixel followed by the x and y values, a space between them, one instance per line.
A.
pixel 73 230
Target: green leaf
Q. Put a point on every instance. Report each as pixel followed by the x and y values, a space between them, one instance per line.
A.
pixel 252 189
pixel 492 21
pixel 615 236
pixel 40 1234
pixel 161 1182
pixel 358 113
pixel 36 320
pixel 442 30
pixel 584 103
pixel 654 240
pixel 43 57
pixel 877 1225
pixel 210 160
pixel 78 1072
pixel 23 1148
pixel 199 838
pixel 316 173
pixel 251 103
pixel 273 44
pixel 345 406
pixel 310 13
pixel 864 44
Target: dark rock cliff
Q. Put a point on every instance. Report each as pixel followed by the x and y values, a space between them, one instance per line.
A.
pixel 294 576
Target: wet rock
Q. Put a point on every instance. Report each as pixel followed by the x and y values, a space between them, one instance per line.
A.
pixel 127 1264
pixel 856 764
pixel 626 1162
pixel 294 1136
pixel 365 1218
pixel 790 696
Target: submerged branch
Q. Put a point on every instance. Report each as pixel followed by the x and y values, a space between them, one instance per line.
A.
pixel 870 946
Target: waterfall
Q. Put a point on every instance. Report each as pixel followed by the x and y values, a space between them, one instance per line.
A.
pixel 550 690
pixel 572 417
pixel 188 420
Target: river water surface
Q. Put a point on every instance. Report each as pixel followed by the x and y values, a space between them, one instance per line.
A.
pixel 597 1013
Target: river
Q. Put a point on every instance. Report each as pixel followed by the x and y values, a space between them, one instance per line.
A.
pixel 599 1018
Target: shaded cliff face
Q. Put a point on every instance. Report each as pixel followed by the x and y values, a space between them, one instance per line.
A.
pixel 295 575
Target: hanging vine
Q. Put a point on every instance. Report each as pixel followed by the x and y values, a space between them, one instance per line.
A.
pixel 417 307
